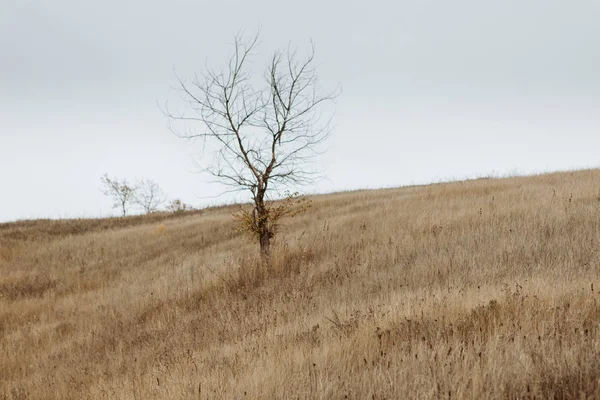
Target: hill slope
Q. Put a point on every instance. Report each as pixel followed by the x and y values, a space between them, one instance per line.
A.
pixel 478 289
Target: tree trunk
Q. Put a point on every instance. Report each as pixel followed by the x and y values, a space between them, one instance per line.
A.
pixel 265 243
pixel 262 222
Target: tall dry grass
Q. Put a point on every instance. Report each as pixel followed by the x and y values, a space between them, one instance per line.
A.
pixel 480 289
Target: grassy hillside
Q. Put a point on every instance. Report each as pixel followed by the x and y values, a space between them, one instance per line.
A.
pixel 479 289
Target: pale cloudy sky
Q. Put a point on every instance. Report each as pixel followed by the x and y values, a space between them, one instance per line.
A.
pixel 431 90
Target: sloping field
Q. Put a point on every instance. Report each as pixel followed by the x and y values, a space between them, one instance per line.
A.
pixel 478 289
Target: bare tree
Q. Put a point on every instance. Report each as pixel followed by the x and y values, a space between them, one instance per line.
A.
pixel 121 192
pixel 265 131
pixel 149 196
pixel 178 206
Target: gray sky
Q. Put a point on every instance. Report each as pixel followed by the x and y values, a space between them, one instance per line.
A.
pixel 431 90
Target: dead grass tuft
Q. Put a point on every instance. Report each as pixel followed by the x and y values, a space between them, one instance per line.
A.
pixel 29 287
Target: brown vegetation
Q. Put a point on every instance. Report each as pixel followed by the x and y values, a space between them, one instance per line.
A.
pixel 479 289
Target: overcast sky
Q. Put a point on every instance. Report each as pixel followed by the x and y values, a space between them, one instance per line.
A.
pixel 431 90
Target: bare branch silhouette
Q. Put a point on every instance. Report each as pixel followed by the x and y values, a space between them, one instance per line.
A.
pixel 265 134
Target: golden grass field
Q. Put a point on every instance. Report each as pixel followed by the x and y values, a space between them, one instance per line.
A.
pixel 465 290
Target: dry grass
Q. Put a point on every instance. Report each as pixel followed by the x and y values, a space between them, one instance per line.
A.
pixel 480 289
